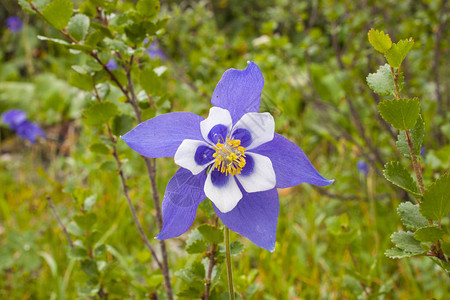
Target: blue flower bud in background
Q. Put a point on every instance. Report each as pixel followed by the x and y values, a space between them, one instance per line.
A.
pixel 363 167
pixel 422 151
pixel 154 50
pixel 112 65
pixel 16 120
pixel 14 24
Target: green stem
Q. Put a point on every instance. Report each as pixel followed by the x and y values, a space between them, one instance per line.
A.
pixel 229 271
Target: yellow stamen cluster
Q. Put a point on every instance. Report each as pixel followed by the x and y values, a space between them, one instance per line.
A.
pixel 229 157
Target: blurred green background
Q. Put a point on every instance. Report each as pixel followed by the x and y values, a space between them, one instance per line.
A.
pixel 314 56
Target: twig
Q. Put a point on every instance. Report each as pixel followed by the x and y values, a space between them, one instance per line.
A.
pixel 212 261
pixel 66 233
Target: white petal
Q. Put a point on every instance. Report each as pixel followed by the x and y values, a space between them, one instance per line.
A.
pixel 185 156
pixel 225 197
pixel 261 178
pixel 216 116
pixel 260 125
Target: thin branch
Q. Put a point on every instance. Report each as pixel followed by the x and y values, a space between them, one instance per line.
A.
pixel 212 261
pixel 66 233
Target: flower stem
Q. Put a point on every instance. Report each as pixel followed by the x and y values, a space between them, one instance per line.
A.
pixel 229 271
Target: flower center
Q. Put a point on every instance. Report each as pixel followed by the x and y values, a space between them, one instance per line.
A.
pixel 229 157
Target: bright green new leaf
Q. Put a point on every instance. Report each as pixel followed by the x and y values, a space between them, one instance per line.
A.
pixel 397 53
pixel 100 113
pixel 402 114
pixel 410 216
pixel 379 40
pixel 78 26
pixel 436 199
pixel 405 241
pixel 429 234
pixel 417 135
pixel 148 8
pixel 211 234
pixel 122 124
pixel 381 82
pixel 81 81
pixel 398 253
pixel 58 13
pixel 199 246
pixel 398 175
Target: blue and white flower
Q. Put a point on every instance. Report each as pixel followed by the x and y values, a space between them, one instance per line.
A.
pixel 233 157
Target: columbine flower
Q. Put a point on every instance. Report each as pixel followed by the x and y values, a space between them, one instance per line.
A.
pixel 17 120
pixel 14 24
pixel 154 50
pixel 111 65
pixel 233 157
pixel 363 168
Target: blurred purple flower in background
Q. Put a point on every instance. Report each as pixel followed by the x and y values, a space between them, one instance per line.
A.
pixel 363 167
pixel 112 64
pixel 17 120
pixel 233 157
pixel 154 50
pixel 14 24
pixel 422 151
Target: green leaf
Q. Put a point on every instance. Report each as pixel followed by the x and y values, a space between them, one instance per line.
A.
pixel 148 8
pixel 58 13
pixel 100 113
pixel 402 114
pixel 122 124
pixel 398 175
pixel 150 82
pixel 199 246
pixel 77 253
pixel 236 248
pixel 436 200
pixel 379 40
pixel 89 202
pixel 405 241
pixel 85 221
pixel 397 53
pixel 78 26
pixel 417 135
pixel 429 234
pixel 81 81
pixel 99 148
pixel 74 229
pixel 211 234
pixel 410 216
pixel 89 267
pixel 66 44
pixel 99 250
pixel 198 270
pixel 398 253
pixel 116 45
pixel 382 82
pixel 26 7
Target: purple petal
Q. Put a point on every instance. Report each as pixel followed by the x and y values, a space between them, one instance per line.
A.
pixel 161 136
pixel 14 24
pixel 239 91
pixel 255 217
pixel 291 165
pixel 14 117
pixel 184 193
pixel 29 131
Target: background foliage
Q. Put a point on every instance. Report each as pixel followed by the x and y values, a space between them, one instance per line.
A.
pixel 315 57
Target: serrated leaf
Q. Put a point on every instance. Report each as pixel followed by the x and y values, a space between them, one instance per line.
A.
pixel 77 253
pixel 85 221
pixel 429 234
pixel 100 113
pixel 382 82
pixel 198 270
pixel 81 81
pixel 379 40
pixel 150 82
pixel 410 216
pixel 199 246
pixel 398 175
pixel 405 241
pixel 58 13
pixel 122 124
pixel 78 26
pixel 397 53
pixel 436 199
pixel 236 248
pixel 417 135
pixel 148 8
pixel 211 234
pixel 398 253
pixel 402 114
